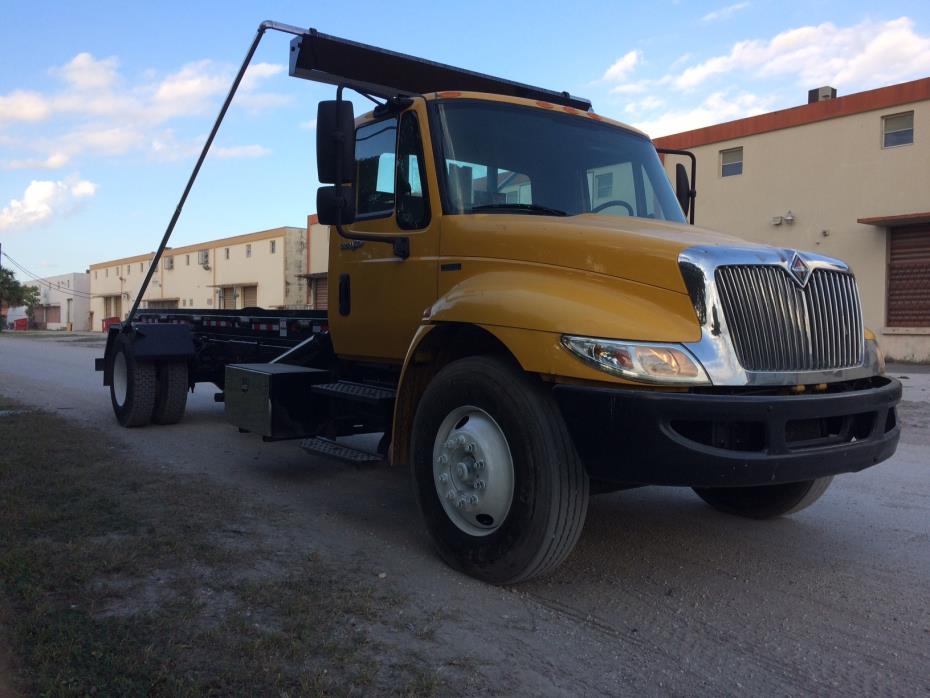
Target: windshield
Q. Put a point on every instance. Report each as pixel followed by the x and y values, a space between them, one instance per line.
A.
pixel 504 158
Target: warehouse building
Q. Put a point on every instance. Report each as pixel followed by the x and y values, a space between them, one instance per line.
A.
pixel 267 269
pixel 844 176
pixel 64 302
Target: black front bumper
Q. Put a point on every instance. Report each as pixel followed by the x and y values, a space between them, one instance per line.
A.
pixel 650 437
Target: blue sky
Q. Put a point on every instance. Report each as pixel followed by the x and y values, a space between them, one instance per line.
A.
pixel 104 105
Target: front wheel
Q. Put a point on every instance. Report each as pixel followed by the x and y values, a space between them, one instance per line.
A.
pixel 765 501
pixel 501 487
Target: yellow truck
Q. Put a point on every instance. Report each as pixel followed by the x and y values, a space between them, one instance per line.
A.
pixel 520 305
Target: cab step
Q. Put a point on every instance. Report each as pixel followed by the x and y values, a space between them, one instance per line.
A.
pixel 319 446
pixel 356 392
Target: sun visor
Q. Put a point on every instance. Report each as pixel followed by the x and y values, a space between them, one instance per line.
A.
pixel 377 71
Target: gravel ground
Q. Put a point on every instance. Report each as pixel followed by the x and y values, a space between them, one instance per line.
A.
pixel 662 595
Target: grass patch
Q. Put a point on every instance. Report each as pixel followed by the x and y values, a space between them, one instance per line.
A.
pixel 119 579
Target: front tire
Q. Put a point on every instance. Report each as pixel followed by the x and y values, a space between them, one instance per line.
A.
pixel 501 487
pixel 765 501
pixel 132 387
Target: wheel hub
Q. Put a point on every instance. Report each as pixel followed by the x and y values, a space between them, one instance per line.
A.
pixel 473 470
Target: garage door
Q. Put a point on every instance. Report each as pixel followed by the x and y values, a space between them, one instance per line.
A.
pixel 909 277
pixel 250 296
pixel 320 294
pixel 53 314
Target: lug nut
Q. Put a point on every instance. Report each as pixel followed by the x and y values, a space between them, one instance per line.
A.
pixel 479 464
pixel 461 503
pixel 444 477
pixel 480 484
pixel 443 459
pixel 450 495
pixel 473 500
pixel 470 447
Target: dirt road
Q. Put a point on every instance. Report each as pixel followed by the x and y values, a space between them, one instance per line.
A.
pixel 662 595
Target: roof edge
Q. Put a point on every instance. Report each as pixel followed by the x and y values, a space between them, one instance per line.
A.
pixel 848 105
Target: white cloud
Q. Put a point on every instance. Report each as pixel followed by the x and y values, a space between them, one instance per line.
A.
pixel 22 105
pixel 864 55
pixel 241 151
pixel 311 125
pixel 99 114
pixel 623 66
pixel 44 200
pixel 716 108
pixel 188 91
pixel 52 162
pixel 725 12
pixel 84 72
pixel 644 104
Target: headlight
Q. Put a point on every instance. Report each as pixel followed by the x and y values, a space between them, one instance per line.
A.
pixel 651 363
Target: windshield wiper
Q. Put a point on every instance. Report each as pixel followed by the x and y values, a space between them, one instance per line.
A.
pixel 526 208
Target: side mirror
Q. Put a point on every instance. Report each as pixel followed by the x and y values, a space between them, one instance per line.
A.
pixel 682 188
pixel 335 207
pixel 335 141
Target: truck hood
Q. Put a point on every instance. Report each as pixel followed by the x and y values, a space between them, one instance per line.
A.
pixel 636 249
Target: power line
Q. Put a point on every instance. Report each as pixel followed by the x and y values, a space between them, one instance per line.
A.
pixel 54 287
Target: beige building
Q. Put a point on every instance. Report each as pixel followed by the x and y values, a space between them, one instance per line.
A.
pixel 64 302
pixel 846 177
pixel 268 269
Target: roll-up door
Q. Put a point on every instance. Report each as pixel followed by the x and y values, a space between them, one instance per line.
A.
pixel 229 298
pixel 320 294
pixel 909 277
pixel 250 296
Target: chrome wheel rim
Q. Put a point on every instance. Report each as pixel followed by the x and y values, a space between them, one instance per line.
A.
pixel 473 470
pixel 120 379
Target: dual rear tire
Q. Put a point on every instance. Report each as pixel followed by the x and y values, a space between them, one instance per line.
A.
pixel 145 391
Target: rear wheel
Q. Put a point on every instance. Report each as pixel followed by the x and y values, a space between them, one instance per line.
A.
pixel 765 501
pixel 171 396
pixel 132 388
pixel 499 482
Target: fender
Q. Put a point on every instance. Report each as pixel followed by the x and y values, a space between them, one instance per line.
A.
pixel 150 341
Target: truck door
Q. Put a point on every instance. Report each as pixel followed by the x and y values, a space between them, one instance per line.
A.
pixel 377 299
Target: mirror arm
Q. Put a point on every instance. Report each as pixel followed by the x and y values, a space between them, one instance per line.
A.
pixel 692 192
pixel 400 244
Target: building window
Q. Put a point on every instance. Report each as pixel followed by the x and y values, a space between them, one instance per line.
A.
pixel 604 184
pixel 273 246
pixel 898 129
pixel 141 268
pixel 731 162
pixel 183 302
pixel 106 272
pixel 187 259
pixel 227 253
pixel 191 303
pixel 128 270
pixel 95 273
pixel 248 250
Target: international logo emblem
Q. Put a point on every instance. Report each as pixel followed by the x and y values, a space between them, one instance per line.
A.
pixel 800 270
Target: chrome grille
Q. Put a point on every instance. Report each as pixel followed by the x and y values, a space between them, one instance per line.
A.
pixel 776 325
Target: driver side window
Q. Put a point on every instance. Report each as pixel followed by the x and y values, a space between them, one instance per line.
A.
pixel 375 145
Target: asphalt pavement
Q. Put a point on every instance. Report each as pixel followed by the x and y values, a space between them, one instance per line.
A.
pixel 662 595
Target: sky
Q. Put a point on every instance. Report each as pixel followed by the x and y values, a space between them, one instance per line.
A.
pixel 104 106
